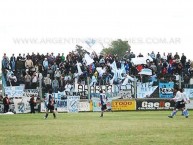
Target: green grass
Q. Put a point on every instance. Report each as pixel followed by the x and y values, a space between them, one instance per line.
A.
pixel 115 128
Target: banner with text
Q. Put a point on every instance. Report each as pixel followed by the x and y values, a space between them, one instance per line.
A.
pixel 14 91
pixel 166 90
pixel 123 105
pixel 145 90
pixel 155 104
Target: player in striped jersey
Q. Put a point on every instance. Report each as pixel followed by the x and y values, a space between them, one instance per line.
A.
pixel 50 105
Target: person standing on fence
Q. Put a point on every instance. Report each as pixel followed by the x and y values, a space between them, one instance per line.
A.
pixel 179 102
pixel 32 104
pixel 6 103
pixel 50 105
pixel 103 100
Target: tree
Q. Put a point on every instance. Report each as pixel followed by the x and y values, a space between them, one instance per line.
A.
pixel 80 50
pixel 118 47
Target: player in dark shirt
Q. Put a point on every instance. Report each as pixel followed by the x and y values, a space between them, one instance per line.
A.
pixel 50 105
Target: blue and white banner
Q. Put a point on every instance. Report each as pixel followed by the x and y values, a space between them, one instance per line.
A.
pixel 61 105
pixel 166 90
pixel 144 90
pixel 14 91
pixel 60 102
pixel 73 103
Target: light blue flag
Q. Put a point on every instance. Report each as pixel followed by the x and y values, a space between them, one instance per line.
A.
pixel 90 42
pixel 123 68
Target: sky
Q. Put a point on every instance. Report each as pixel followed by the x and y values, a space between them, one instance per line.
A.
pixel 59 25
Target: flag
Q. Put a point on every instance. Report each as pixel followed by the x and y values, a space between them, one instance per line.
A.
pixel 146 71
pixel 79 69
pixel 88 59
pixel 90 42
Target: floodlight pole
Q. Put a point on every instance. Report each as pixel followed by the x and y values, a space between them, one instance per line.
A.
pixel 135 87
pixel 180 82
pixel 40 88
pixel 88 85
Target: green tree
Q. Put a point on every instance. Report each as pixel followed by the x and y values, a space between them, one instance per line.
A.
pixel 80 50
pixel 118 47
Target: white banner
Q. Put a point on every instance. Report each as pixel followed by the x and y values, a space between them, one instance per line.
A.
pixel 141 60
pixel 73 103
pixel 84 106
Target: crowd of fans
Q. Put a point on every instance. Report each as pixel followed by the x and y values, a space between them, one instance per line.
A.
pixel 60 72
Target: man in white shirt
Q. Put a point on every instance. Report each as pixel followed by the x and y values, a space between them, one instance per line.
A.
pixel 164 57
pixel 179 101
pixel 186 100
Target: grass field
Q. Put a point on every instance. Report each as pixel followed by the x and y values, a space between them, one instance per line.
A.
pixel 115 128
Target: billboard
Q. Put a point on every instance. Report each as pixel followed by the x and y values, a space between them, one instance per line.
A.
pixel 123 105
pixel 155 104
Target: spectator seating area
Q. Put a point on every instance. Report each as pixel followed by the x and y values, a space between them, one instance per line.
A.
pixel 60 72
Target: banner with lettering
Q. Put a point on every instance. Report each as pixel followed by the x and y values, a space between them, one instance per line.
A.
pixel 155 104
pixel 145 90
pixel 123 105
pixel 166 90
pixel 30 92
pixel 14 91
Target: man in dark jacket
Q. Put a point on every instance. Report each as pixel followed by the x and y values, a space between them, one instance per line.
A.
pixel 6 104
pixel 32 104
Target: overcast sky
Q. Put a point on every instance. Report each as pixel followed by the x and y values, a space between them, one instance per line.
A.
pixel 58 25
